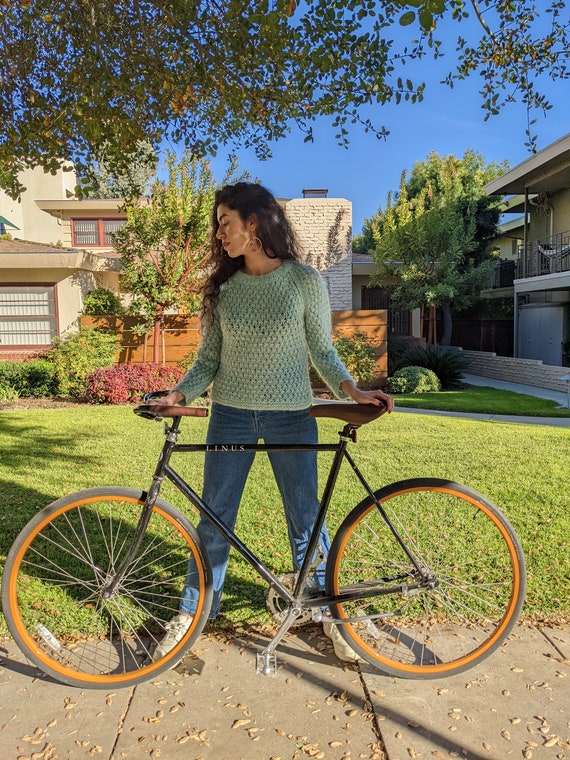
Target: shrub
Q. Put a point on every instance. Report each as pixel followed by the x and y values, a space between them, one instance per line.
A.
pixel 10 374
pixel 413 380
pixel 38 378
pixel 448 365
pixel 100 302
pixel 8 393
pixel 127 383
pixel 358 355
pixel 397 349
pixel 78 354
pixel 188 360
pixel 35 377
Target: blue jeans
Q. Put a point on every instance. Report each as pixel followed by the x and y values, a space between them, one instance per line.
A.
pixel 225 475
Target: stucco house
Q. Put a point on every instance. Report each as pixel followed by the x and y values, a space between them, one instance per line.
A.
pixel 537 242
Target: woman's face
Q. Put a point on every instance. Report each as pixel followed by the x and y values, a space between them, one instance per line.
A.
pixel 234 233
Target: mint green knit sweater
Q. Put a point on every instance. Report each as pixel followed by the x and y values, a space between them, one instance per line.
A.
pixel 254 351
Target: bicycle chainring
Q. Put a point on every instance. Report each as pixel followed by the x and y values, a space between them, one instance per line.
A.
pixel 278 606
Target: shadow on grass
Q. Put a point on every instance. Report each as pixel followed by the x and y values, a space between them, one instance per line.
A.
pixel 31 448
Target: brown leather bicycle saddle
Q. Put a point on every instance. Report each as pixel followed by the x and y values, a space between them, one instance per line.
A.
pixel 354 414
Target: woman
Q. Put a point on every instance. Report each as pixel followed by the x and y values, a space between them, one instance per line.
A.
pixel 261 310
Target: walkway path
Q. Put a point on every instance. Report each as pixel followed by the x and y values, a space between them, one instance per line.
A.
pixel 213 706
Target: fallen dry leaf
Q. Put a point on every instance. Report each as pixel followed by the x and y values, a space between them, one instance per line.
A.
pixel 240 722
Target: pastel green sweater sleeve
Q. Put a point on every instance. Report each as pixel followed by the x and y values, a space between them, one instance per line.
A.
pixel 203 371
pixel 318 329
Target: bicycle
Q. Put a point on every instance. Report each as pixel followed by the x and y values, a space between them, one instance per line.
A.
pixel 425 577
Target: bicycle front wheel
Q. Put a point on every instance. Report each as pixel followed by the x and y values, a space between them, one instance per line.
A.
pixel 55 587
pixel 444 602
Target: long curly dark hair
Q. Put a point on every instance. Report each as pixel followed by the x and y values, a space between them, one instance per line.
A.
pixel 273 230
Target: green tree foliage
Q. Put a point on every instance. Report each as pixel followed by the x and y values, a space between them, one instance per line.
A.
pixel 431 241
pixel 102 180
pixel 78 77
pixel 102 302
pixel 164 244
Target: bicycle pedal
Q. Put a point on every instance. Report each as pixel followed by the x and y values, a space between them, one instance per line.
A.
pixel 266 664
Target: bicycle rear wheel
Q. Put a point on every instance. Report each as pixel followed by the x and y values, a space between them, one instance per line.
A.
pixel 59 566
pixel 452 612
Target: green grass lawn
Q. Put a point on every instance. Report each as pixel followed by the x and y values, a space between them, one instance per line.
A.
pixel 483 400
pixel 47 453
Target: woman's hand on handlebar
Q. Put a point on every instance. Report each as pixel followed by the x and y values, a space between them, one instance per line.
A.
pixel 367 397
pixel 172 399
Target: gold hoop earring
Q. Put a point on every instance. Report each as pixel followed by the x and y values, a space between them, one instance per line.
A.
pixel 255 244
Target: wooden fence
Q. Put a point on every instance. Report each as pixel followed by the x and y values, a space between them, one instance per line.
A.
pixel 181 335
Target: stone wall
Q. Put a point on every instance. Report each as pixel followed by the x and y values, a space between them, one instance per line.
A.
pixel 511 370
pixel 324 229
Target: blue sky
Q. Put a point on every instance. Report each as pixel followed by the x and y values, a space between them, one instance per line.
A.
pixel 448 121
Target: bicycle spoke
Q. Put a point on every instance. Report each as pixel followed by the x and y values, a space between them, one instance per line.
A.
pixel 88 623
pixel 467 596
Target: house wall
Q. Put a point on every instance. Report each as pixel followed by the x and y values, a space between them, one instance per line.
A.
pixel 89 212
pixel 324 229
pixel 73 273
pixel 33 223
pixel 507 246
pixel 363 280
pixel 358 282
pixel 543 331
pixel 549 220
pixel 68 294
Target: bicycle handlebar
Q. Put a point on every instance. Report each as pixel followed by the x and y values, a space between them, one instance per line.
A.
pixel 158 411
pixel 354 414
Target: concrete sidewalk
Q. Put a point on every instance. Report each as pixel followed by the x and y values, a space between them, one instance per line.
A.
pixel 215 707
pixel 528 390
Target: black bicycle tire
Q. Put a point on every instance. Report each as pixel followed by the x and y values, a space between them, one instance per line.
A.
pixel 27 643
pixel 502 628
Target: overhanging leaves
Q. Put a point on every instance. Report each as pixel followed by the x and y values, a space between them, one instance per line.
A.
pixel 76 75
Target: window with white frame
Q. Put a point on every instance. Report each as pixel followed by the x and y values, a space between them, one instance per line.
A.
pixel 27 315
pixel 87 232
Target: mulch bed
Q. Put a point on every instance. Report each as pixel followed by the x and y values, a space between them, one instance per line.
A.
pixel 36 403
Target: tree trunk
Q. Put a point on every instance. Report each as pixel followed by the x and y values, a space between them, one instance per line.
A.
pixel 156 340
pixel 447 324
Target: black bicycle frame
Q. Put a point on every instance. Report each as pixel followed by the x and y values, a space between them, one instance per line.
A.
pixel 164 470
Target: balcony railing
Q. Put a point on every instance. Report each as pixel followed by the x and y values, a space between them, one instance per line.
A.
pixel 545 256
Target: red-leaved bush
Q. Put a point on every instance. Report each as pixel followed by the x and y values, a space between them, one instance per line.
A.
pixel 127 383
